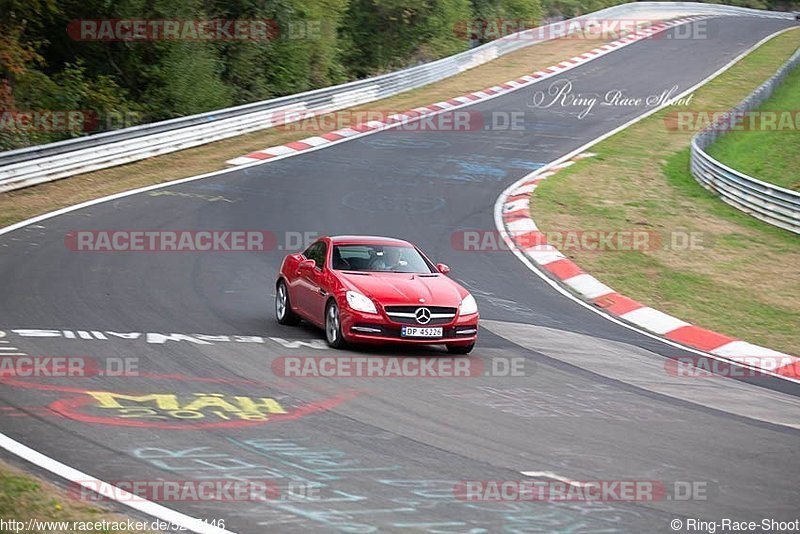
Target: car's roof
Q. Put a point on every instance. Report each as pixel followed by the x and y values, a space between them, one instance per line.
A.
pixel 367 240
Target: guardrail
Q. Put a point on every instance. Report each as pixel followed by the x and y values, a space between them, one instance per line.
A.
pixel 770 203
pixel 34 165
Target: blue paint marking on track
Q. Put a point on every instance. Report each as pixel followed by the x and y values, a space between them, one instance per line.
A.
pixel 390 142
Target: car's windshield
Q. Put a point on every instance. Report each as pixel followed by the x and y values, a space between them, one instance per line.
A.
pixel 379 258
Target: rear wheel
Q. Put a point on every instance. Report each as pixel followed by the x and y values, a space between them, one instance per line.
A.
pixel 333 326
pixel 283 307
pixel 460 349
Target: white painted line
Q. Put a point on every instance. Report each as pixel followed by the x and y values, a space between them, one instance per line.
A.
pixel 588 286
pixel 107 490
pixel 241 160
pixel 742 349
pixel 521 226
pixel 516 205
pixel 278 150
pixel 544 256
pixel 315 141
pixel 347 132
pixel 654 320
pixel 525 189
pixel 562 165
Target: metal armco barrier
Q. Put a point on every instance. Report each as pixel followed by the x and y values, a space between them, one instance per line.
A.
pixel 772 204
pixel 34 165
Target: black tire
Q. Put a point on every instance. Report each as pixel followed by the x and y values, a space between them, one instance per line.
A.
pixel 333 326
pixel 460 349
pixel 283 307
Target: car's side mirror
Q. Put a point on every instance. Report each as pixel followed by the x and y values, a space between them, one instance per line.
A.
pixel 307 265
pixel 442 268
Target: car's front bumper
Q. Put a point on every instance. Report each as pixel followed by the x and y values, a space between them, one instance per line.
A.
pixel 358 327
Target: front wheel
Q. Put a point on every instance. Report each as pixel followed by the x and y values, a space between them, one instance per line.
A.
pixel 283 307
pixel 460 349
pixel 333 326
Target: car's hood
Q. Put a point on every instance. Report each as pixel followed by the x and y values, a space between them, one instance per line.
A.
pixel 391 289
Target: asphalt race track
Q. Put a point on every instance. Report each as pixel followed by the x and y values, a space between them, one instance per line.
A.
pixel 387 454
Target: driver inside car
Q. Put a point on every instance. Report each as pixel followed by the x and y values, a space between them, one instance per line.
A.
pixel 389 259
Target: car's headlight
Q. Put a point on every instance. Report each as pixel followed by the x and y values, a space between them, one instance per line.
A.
pixel 468 306
pixel 359 302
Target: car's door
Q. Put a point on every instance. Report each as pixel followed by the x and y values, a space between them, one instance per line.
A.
pixel 320 280
pixel 310 291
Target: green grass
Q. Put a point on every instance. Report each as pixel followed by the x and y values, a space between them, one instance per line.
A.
pixel 23 497
pixel 744 282
pixel 768 153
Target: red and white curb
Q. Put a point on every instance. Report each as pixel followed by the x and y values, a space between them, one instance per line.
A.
pixel 453 103
pixel 526 237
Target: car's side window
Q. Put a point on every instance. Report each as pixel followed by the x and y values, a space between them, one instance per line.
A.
pixel 309 252
pixel 322 253
pixel 316 252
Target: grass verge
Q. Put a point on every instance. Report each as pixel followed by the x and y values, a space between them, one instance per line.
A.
pixel 23 497
pixel 745 280
pixel 771 154
pixel 25 203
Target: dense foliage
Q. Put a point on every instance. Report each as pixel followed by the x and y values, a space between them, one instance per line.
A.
pixel 321 42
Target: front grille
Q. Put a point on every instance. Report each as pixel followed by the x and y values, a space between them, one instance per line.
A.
pixel 412 309
pixel 393 311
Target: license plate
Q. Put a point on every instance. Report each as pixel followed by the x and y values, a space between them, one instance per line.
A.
pixel 420 331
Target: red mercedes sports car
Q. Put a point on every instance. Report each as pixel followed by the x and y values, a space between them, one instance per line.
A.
pixel 375 290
